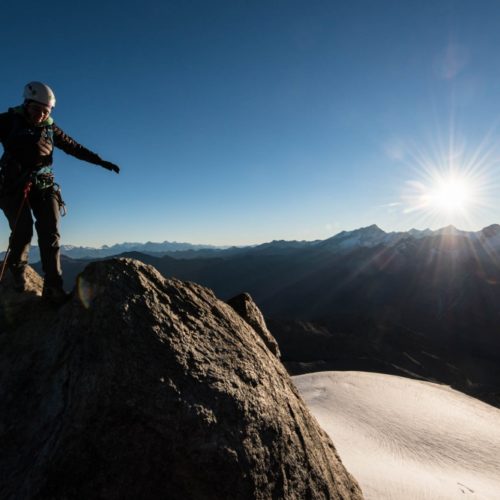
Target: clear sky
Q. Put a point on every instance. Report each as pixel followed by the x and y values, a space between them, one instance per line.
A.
pixel 239 122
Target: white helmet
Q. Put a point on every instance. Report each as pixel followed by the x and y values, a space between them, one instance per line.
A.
pixel 39 92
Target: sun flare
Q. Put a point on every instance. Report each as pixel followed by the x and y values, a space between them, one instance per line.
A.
pixel 451 186
pixel 451 194
pixel 447 195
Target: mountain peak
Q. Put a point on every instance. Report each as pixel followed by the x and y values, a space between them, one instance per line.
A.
pixel 490 231
pixel 363 237
pixel 369 231
pixel 372 227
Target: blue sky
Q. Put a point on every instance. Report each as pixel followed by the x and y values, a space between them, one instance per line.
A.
pixel 239 122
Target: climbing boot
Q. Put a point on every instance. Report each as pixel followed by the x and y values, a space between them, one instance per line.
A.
pixel 19 282
pixel 55 295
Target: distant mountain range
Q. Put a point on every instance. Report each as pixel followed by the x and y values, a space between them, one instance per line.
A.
pixel 164 248
pixel 344 241
pixel 418 303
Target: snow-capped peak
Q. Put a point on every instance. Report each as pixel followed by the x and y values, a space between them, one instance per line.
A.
pixel 369 236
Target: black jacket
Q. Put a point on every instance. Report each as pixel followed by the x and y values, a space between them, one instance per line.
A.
pixel 28 147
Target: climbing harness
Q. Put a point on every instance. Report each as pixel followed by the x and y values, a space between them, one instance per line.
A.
pixel 62 205
pixel 43 178
pixel 25 200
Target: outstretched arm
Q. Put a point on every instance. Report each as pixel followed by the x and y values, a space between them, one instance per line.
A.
pixel 71 147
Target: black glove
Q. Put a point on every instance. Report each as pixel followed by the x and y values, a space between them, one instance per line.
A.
pixel 110 166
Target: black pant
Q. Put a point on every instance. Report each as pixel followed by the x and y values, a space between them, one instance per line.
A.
pixel 44 205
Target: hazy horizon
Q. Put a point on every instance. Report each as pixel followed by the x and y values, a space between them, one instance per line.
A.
pixel 209 244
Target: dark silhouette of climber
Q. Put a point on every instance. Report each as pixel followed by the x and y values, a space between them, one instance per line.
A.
pixel 27 188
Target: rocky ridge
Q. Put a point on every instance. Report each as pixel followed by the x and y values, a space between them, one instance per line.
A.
pixel 146 387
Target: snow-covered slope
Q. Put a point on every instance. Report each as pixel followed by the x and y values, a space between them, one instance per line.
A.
pixel 365 237
pixel 404 439
pixel 372 236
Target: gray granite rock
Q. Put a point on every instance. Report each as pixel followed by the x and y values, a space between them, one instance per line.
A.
pixel 244 305
pixel 143 387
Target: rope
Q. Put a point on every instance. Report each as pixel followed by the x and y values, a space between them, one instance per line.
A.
pixel 62 205
pixel 26 192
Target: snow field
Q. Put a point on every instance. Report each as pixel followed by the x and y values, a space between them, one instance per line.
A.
pixel 404 439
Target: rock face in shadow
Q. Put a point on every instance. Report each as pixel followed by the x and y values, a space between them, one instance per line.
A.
pixel 244 305
pixel 15 306
pixel 143 387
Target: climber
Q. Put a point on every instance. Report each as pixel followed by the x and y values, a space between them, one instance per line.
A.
pixel 28 135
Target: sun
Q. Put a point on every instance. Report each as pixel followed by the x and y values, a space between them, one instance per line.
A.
pixel 447 196
pixel 454 182
pixel 451 194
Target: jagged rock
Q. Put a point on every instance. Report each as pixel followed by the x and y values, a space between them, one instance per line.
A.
pixel 34 283
pixel 244 305
pixel 143 387
pixel 14 305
